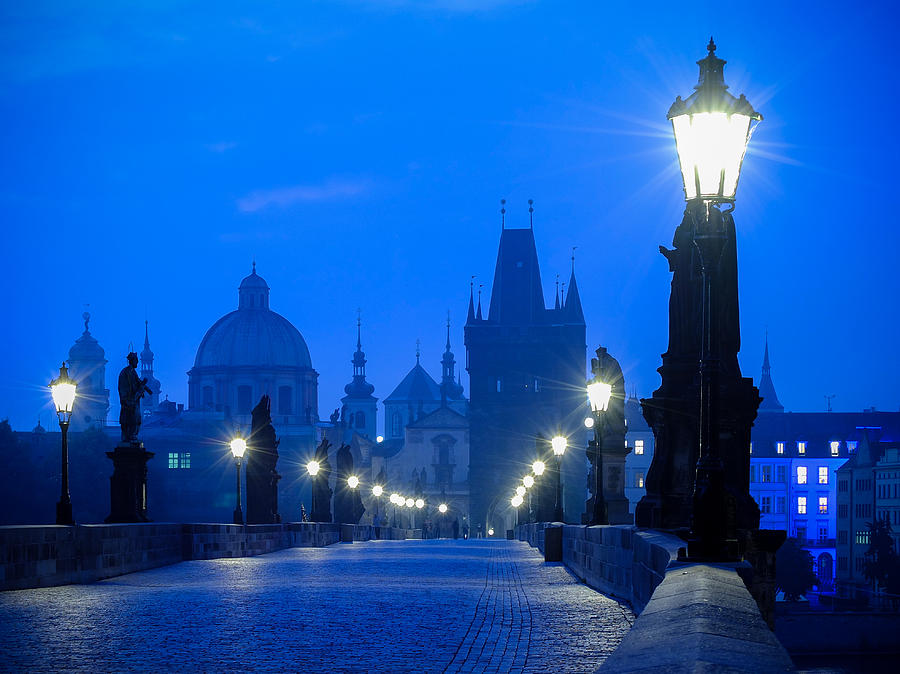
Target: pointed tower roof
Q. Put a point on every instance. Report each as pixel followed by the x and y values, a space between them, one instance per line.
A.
pixel 359 387
pixel 146 353
pixel 766 387
pixel 478 315
pixel 517 297
pixel 417 386
pixel 573 311
pixel 470 317
pixel 450 389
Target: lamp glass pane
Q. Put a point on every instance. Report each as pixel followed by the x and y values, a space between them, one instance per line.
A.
pixel 238 447
pixel 598 395
pixel 63 396
pixel 711 147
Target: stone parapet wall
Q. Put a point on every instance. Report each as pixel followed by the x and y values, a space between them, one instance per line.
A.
pixel 47 555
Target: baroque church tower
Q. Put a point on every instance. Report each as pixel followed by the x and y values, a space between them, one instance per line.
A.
pixel 87 366
pixel 359 405
pixel 149 403
pixel 526 367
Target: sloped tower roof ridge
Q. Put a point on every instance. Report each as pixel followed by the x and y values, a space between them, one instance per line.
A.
pixel 770 402
pixel 416 385
pixel 517 296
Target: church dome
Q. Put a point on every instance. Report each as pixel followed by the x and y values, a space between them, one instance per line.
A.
pixel 86 348
pixel 254 335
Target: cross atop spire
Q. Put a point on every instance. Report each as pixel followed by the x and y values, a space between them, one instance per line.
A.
pixel 531 213
pixel 358 329
pixel 503 214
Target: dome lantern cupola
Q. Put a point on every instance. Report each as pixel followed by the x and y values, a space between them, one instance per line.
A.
pixel 253 292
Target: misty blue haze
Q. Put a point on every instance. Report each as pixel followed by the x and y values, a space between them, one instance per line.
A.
pixel 358 152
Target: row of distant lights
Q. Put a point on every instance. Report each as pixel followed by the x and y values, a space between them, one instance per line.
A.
pixel 559 444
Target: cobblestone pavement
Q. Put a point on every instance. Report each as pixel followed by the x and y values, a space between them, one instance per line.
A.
pixel 386 606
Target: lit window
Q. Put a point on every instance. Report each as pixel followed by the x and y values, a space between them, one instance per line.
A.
pixel 823 474
pixel 823 505
pixel 835 447
pixel 173 459
pixel 801 505
pixel 751 448
pixel 765 506
pixel 639 480
pixel 766 473
pixel 851 446
pixel 638 446
pixel 185 460
pixel 779 447
pixel 801 448
pixel 801 474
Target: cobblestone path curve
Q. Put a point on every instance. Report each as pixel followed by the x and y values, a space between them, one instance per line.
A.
pixel 382 606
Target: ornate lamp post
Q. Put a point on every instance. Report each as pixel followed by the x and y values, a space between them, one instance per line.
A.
pixel 712 129
pixel 238 447
pixel 63 391
pixel 599 393
pixel 559 444
pixel 312 469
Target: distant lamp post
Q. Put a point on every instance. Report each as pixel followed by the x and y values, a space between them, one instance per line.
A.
pixel 238 447
pixel 712 129
pixel 379 439
pixel 538 468
pixel 377 491
pixel 528 481
pixel 410 503
pixel 420 503
pixel 559 444
pixel 520 491
pixel 312 468
pixel 490 532
pixel 442 508
pixel 599 393
pixel 63 391
pixel 353 482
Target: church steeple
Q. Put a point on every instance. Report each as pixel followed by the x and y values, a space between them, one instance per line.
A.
pixel 359 405
pixel 151 402
pixel 770 401
pixel 450 389
pixel 470 317
pixel 359 387
pixel 146 354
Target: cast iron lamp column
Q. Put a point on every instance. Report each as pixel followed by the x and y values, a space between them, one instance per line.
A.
pixel 238 447
pixel 538 468
pixel 559 444
pixel 312 468
pixel 599 394
pixel 63 390
pixel 712 129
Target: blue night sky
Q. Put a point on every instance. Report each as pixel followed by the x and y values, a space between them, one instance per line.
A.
pixel 358 151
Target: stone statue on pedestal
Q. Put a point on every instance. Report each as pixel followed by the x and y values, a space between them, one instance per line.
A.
pixel 131 389
pixel 262 456
pixel 348 506
pixel 321 492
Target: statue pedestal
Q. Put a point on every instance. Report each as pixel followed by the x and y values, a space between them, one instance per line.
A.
pixel 128 484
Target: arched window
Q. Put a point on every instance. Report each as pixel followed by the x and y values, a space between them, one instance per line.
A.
pixel 360 420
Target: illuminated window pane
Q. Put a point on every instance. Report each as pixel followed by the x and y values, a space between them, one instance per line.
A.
pixel 801 448
pixel 186 460
pixel 801 505
pixel 823 505
pixel 779 447
pixel 823 474
pixel 638 446
pixel 639 480
pixel 851 446
pixel 835 447
pixel 801 474
pixel 173 459
pixel 766 474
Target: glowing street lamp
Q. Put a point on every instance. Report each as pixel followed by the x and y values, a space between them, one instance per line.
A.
pixel 559 444
pixel 420 503
pixel 312 468
pixel 442 508
pixel 410 503
pixel 599 393
pixel 63 391
pixel 353 482
pixel 538 468
pixel 238 448
pixel 712 129
pixel 377 491
pixel 528 481
pixel 520 491
pixel 490 532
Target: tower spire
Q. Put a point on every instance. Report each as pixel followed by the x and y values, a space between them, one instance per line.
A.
pixel 770 402
pixel 478 314
pixel 503 214
pixel 531 213
pixel 359 329
pixel 418 348
pixel 471 315
pixel 448 329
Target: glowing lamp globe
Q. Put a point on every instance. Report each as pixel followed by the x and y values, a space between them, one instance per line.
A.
pixel 516 501
pixel 238 447
pixel 520 491
pixel 490 532
pixel 63 391
pixel 538 468
pixel 395 498
pixel 410 503
pixel 420 503
pixel 353 482
pixel 599 394
pixel 588 422
pixel 559 444
pixel 377 490
pixel 312 468
pixel 442 508
pixel 712 129
pixel 528 481
pixel 379 438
